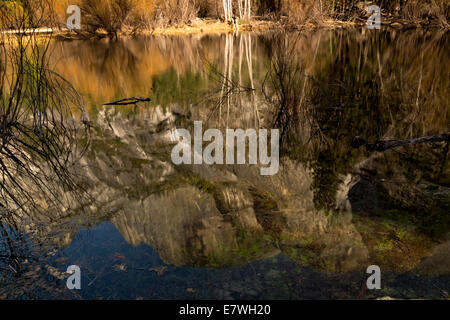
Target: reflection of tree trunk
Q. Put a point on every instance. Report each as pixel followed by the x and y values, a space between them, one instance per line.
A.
pixel 249 55
pixel 225 68
pixel 230 72
pixel 241 46
pixel 227 75
pixel 229 87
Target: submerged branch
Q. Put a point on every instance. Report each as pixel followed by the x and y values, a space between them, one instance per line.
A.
pixel 390 144
pixel 127 101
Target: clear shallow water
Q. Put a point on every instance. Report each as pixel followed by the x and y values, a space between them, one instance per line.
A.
pixel 225 232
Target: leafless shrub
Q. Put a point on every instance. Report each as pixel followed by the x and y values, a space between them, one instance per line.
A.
pixel 175 12
pixel 285 88
pixel 105 14
pixel 300 12
pixel 36 13
pixel 436 11
pixel 38 128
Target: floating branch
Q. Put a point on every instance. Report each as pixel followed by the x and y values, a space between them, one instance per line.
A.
pixel 390 144
pixel 127 101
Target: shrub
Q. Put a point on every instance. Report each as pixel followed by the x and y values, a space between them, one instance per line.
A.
pixel 435 10
pixel 175 12
pixel 24 13
pixel 299 12
pixel 109 15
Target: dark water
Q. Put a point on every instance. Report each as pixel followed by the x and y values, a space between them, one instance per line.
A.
pixel 144 228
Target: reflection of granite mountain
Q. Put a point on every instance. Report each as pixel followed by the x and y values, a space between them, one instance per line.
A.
pixel 186 228
pixel 219 215
pixel 213 216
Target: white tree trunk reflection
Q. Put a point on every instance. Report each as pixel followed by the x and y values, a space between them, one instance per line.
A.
pixel 232 92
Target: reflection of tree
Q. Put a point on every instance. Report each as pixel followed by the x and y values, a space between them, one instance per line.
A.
pixel 233 91
pixel 38 125
pixel 14 248
pixel 107 70
pixel 228 71
pixel 356 89
pixel 41 122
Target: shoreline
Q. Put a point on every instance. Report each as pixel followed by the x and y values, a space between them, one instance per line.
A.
pixel 213 26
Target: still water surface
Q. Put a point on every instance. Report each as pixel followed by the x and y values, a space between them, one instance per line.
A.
pixel 146 229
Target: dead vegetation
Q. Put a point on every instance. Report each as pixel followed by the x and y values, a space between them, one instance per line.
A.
pixel 41 119
pixel 112 17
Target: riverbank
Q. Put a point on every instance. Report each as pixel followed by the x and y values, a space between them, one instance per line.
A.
pixel 197 26
pixel 215 26
pixel 211 26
